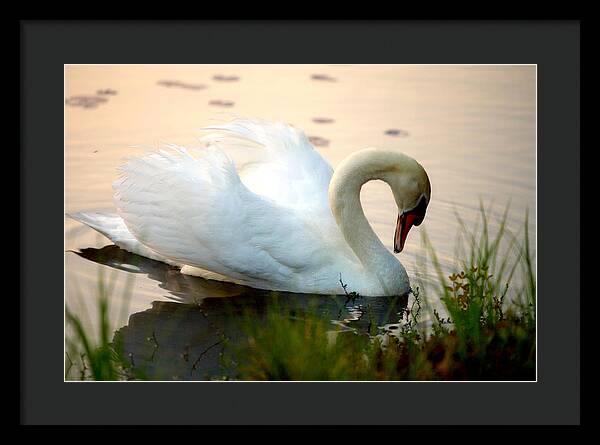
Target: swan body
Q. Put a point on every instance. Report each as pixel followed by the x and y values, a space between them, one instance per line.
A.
pixel 278 219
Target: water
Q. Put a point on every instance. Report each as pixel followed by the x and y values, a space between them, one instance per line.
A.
pixel 471 127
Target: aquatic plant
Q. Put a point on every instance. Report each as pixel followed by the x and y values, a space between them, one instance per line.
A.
pixel 92 355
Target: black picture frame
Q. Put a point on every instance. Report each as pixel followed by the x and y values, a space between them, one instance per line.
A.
pixel 45 46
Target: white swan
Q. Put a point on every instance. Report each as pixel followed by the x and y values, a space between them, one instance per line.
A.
pixel 283 220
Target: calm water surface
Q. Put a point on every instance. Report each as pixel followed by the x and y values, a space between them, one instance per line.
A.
pixel 471 127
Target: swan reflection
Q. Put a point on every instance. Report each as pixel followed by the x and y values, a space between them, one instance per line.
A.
pixel 184 338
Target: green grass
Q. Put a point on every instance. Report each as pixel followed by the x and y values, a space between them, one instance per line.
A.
pixel 487 330
pixel 92 355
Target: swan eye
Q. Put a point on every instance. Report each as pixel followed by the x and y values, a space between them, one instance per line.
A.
pixel 419 211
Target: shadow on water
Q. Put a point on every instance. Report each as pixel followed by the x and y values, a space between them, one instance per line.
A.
pixel 184 338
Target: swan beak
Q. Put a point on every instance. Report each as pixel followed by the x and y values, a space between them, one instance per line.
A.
pixel 403 226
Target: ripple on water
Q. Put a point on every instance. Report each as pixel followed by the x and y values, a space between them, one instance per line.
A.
pixel 323 77
pixel 396 132
pixel 221 103
pixel 107 92
pixel 323 120
pixel 225 78
pixel 85 101
pixel 179 84
pixel 318 141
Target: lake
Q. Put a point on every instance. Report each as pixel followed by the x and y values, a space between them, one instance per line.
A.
pixel 473 128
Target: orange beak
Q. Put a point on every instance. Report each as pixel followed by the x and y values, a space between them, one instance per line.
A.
pixel 403 226
pixel 405 222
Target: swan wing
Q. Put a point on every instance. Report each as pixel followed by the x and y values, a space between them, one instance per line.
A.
pixel 277 161
pixel 113 227
pixel 192 207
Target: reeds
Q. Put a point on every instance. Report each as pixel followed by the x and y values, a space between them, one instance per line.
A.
pixel 90 355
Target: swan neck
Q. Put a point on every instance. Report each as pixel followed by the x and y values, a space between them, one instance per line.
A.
pixel 344 198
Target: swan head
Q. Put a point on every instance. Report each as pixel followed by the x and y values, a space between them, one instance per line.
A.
pixel 412 192
pixel 406 177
